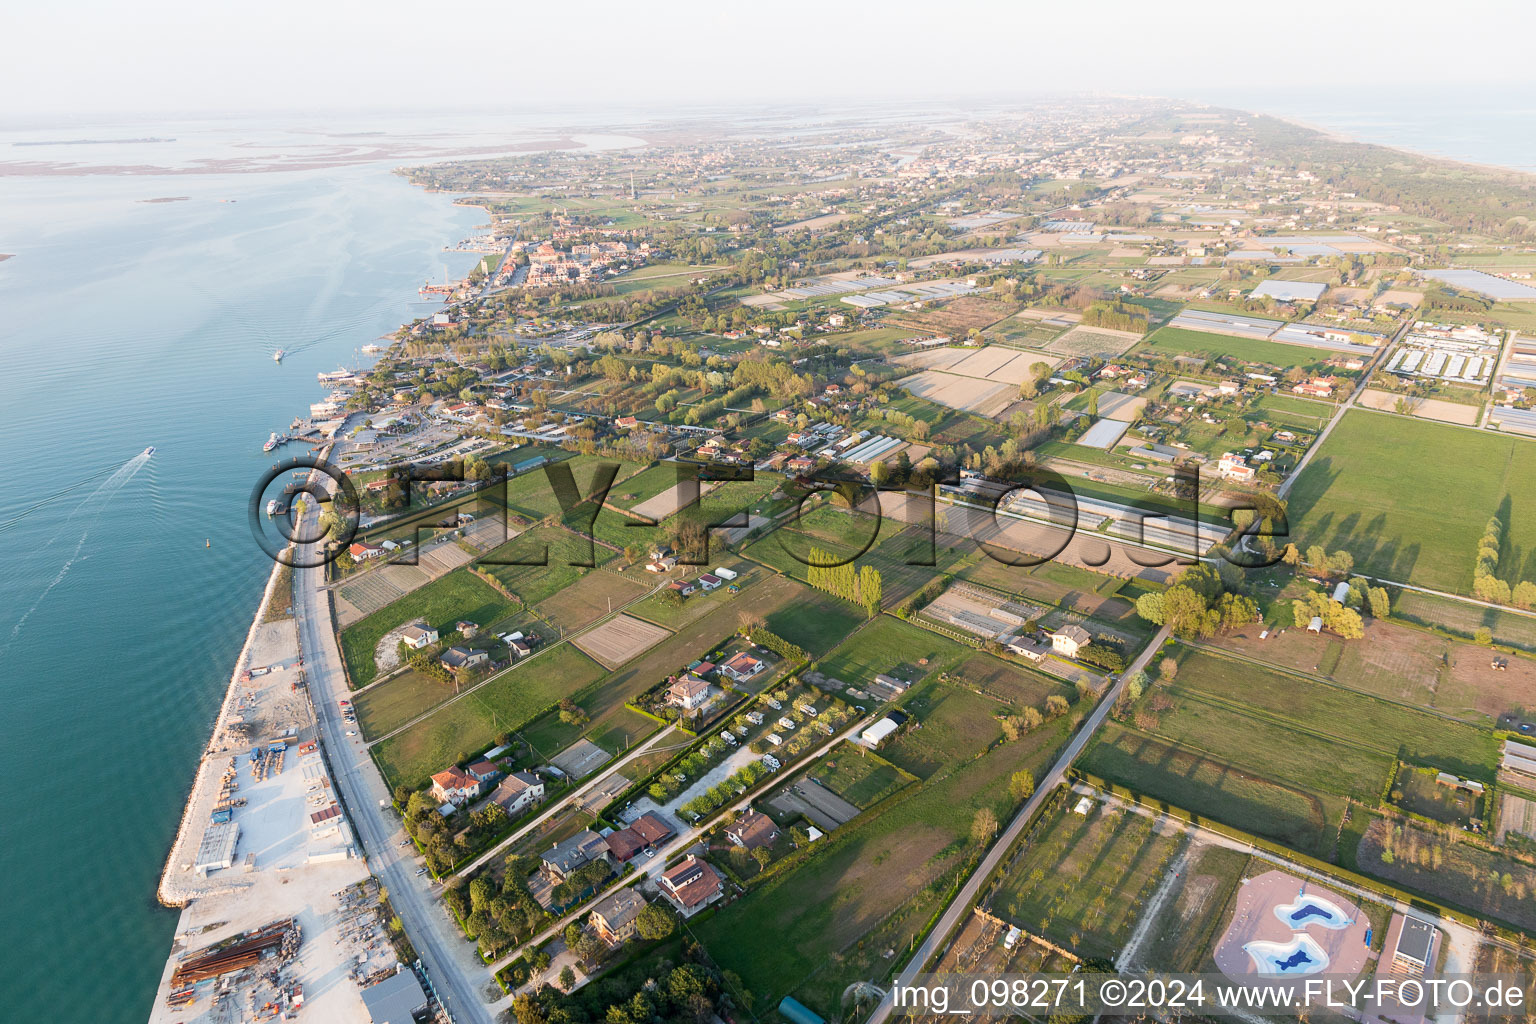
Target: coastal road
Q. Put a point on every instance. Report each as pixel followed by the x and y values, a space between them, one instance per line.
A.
pixel 450 960
pixel 938 937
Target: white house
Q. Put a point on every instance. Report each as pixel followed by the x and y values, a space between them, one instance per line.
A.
pixel 418 637
pixel 688 693
pixel 519 791
pixel 1069 639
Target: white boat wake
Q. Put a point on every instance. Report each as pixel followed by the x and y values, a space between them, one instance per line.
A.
pixel 91 506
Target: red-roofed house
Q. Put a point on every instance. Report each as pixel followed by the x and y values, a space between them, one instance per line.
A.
pixel 455 786
pixel 752 829
pixel 691 885
pixel 361 552
pixel 742 666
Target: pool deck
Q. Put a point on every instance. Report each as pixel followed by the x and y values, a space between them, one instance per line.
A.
pixel 1254 919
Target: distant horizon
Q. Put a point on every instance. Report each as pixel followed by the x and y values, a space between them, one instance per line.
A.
pixel 1421 123
pixel 174 55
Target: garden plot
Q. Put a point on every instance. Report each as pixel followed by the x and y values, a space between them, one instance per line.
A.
pixel 438 559
pixel 620 639
pixel 1516 814
pixel 1093 342
pixel 1115 405
pixel 985 398
pixel 368 593
pixel 673 499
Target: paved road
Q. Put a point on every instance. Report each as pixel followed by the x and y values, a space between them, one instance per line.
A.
pixel 938 938
pixel 560 804
pixel 450 960
pixel 541 652
pixel 650 867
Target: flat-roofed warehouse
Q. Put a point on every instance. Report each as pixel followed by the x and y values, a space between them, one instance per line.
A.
pixel 398 999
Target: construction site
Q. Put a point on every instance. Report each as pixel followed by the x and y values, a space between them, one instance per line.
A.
pixel 275 921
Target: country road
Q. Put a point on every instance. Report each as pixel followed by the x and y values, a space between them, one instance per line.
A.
pixel 450 960
pixel 938 936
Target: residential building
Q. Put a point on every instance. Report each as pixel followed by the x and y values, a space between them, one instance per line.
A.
pixel 458 657
pixel 752 829
pixel 644 832
pixel 518 792
pixel 691 885
pixel 455 786
pixel 1068 640
pixel 614 916
pixel 688 693
pixel 418 637
pixel 485 772
pixel 741 666
pixel 562 860
pixel 361 552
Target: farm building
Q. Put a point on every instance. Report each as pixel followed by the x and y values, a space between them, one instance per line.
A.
pixel 797 1012
pixel 1518 757
pixel 1289 291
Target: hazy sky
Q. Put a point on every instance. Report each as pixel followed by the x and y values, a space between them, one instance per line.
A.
pixel 164 56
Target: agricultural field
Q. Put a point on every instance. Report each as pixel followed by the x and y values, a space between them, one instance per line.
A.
pixel 603 698
pixel 619 639
pixel 817 622
pixel 1093 343
pixel 1177 341
pixel 533 494
pixel 860 777
pixel 549 553
pixel 957 316
pixel 1083 881
pixel 955 723
pixel 1197 909
pixel 1446 867
pixel 1510 628
pixel 1212 788
pixel 591 597
pixel 458 595
pixel 387 706
pixel 1009 682
pixel 1364 492
pixel 888 545
pixel 1273 753
pixel 1417 791
pixel 473 721
pixel 889 645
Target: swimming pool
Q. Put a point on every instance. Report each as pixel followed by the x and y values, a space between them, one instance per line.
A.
pixel 1308 909
pixel 1301 955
